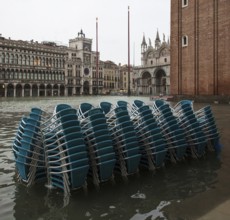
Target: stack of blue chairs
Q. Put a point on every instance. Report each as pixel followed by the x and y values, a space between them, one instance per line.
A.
pixel 99 145
pixel 28 149
pixel 151 140
pixel 207 123
pixel 66 153
pixel 132 112
pixel 125 141
pixel 194 135
pixel 71 145
pixel 174 135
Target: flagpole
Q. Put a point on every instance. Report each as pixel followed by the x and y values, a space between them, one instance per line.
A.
pixel 97 55
pixel 129 93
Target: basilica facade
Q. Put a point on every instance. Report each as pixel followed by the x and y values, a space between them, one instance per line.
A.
pixel 153 76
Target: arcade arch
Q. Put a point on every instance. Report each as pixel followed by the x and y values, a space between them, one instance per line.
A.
pixel 160 81
pixel 86 88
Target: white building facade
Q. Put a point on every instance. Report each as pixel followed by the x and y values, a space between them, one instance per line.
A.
pixel 153 76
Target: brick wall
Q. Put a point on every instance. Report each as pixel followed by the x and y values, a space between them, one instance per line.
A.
pixel 202 67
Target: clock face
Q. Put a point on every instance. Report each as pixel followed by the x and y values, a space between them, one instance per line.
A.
pixel 86 71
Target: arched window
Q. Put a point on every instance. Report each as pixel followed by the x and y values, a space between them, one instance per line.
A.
pixel 19 75
pixel 16 75
pixel 7 58
pixel 3 58
pixel 11 58
pixel 26 60
pixel 184 41
pixel 42 76
pixel 16 59
pixel 11 76
pixel 43 61
pixel 32 61
pixel 36 61
pixel 6 75
pixel 49 62
pixel 184 3
pixel 23 60
pixel 39 61
pixel 20 60
pixel 24 75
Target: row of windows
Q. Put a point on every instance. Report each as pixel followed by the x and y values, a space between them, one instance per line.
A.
pixel 99 83
pixel 111 78
pixel 30 61
pixel 78 74
pixel 165 60
pixel 94 68
pixel 185 37
pixel 77 66
pixel 31 52
pixel 70 73
pixel 95 74
pixel 109 85
pixel 31 76
pixel 78 82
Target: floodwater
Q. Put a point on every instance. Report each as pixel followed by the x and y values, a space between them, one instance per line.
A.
pixel 191 189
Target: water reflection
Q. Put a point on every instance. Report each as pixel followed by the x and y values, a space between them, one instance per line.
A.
pixel 142 196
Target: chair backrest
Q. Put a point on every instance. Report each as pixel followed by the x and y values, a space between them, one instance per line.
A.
pixel 138 103
pixel 144 108
pixel 122 103
pixel 61 107
pixel 84 109
pixel 67 111
pixel 36 111
pixel 105 106
pixel 159 102
pixel 95 111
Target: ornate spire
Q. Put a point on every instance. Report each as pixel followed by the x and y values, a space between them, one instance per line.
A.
pixel 143 44
pixel 157 37
pixel 157 41
pixel 143 41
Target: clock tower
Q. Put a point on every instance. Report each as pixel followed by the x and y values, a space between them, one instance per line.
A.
pixel 81 48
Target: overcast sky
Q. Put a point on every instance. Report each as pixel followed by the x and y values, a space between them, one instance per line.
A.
pixel 61 20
